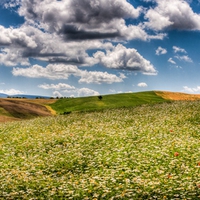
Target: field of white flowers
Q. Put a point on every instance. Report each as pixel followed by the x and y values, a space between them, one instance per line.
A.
pixel 146 152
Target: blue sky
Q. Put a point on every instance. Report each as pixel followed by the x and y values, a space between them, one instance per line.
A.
pixel 91 47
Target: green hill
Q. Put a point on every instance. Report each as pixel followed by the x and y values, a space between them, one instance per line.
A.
pixel 67 105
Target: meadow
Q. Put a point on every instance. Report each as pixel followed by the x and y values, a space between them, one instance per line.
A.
pixel 150 151
pixel 93 103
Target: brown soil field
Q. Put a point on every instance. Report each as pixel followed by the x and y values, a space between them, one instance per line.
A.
pixel 15 109
pixel 178 96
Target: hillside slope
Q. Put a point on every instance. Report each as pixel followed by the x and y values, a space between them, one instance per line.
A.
pixel 15 109
pixel 107 102
pixel 177 96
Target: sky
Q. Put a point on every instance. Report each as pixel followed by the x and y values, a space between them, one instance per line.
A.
pixel 75 48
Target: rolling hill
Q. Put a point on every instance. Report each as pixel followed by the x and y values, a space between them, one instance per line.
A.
pixel 68 105
pixel 19 108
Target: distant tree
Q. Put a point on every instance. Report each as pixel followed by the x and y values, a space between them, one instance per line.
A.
pixel 100 97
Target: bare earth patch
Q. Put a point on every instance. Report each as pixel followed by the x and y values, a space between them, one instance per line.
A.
pixel 22 109
pixel 178 96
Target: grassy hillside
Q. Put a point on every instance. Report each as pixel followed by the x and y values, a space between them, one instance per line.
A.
pixel 108 101
pixel 144 152
pixel 17 109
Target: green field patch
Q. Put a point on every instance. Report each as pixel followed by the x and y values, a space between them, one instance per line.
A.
pixel 107 102
pixel 3 112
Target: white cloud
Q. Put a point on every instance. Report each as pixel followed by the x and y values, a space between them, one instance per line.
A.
pixel 178 49
pixel 184 58
pixel 99 77
pixel 61 89
pixel 48 37
pixel 87 92
pixel 57 94
pixel 46 47
pixel 10 3
pixel 171 61
pixel 62 71
pixel 60 86
pixel 126 59
pixel 83 20
pixel 51 71
pixel 12 57
pixel 12 92
pixel 142 84
pixel 15 37
pixel 160 51
pixel 173 14
pixel 191 90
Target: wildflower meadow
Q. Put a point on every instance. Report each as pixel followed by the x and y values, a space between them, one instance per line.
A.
pixel 144 152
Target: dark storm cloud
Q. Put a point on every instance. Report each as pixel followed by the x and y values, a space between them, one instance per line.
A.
pixel 35 54
pixel 71 32
pixel 72 61
pixel 99 11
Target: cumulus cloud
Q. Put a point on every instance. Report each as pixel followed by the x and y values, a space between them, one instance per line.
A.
pixel 16 37
pixel 67 36
pixel 60 86
pixel 142 84
pixel 87 92
pixel 61 89
pixel 62 71
pixel 57 94
pixel 160 51
pixel 173 14
pixel 171 61
pixel 44 46
pixel 12 92
pixel 191 90
pixel 87 19
pixel 50 72
pixel 178 50
pixel 99 77
pixel 12 57
pixel 127 59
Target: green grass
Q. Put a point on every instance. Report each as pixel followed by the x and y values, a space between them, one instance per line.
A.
pixel 107 102
pixel 3 112
pixel 145 152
